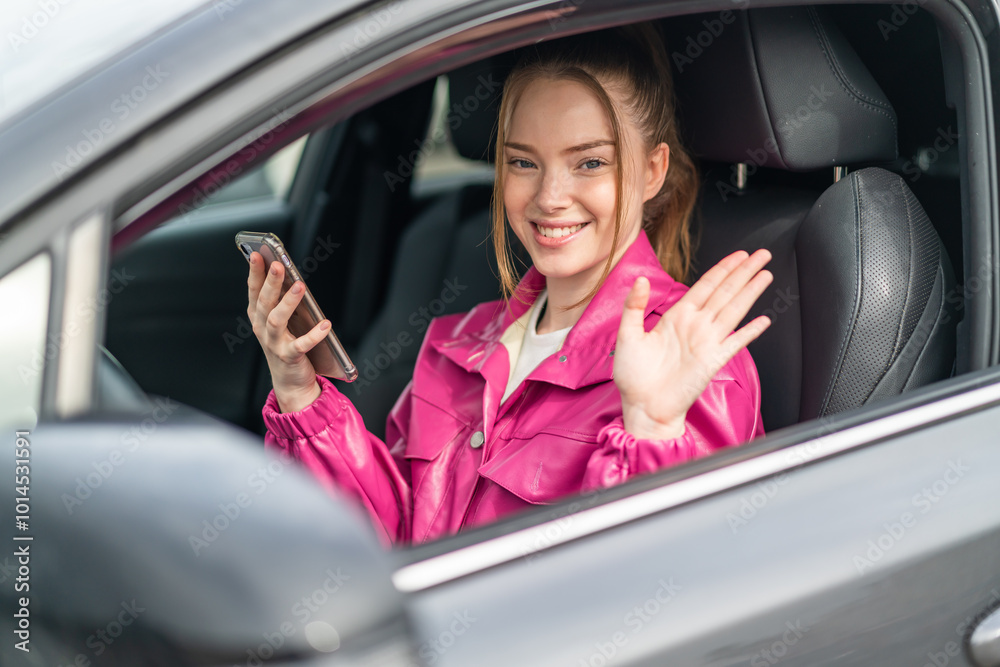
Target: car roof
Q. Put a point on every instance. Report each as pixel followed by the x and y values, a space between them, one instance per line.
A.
pixel 51 44
pixel 52 139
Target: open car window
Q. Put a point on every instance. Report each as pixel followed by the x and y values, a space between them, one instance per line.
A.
pixel 352 234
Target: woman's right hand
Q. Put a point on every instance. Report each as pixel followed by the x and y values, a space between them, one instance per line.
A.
pixel 292 374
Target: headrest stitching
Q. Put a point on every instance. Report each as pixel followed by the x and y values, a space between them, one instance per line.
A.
pixel 841 76
pixel 762 95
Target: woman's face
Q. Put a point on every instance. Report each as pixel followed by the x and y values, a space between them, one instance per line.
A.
pixel 560 180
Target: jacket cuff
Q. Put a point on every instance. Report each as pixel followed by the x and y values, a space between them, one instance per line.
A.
pixel 310 420
pixel 621 456
pixel 616 435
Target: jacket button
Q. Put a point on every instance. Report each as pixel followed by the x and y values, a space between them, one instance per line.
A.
pixel 477 440
pixel 562 357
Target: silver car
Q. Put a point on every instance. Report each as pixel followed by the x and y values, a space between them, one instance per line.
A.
pixel 144 522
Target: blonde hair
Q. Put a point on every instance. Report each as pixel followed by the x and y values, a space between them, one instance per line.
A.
pixel 634 61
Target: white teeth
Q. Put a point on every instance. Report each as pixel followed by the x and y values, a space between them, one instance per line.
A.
pixel 559 232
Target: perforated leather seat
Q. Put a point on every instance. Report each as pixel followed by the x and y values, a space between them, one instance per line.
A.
pixel 858 302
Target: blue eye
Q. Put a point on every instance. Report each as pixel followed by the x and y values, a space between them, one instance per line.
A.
pixel 593 164
pixel 521 164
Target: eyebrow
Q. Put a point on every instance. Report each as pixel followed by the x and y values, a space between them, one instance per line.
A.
pixel 572 149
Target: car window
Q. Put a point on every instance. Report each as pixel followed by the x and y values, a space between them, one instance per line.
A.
pixel 25 291
pixel 270 181
pixel 437 168
pixel 188 324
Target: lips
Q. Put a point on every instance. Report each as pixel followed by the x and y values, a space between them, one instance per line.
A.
pixel 557 234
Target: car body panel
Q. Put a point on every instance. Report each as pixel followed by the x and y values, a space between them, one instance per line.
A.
pixel 823 548
pixel 209 561
pixel 105 108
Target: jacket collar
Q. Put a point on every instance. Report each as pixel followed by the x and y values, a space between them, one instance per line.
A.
pixel 586 356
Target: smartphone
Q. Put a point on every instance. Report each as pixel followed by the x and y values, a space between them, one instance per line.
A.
pixel 329 357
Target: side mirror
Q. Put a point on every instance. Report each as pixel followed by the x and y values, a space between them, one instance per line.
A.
pixel 184 542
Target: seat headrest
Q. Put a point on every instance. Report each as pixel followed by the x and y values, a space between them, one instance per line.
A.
pixel 474 93
pixel 779 87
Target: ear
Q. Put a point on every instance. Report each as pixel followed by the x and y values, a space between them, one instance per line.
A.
pixel 657 163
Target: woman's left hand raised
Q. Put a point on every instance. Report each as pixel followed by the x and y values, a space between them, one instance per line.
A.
pixel 661 373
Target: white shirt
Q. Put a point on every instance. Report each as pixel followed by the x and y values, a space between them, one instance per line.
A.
pixel 534 347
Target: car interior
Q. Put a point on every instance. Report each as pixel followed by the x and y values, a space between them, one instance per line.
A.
pixel 847 168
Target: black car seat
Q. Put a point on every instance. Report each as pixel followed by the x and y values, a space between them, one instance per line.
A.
pixel 444 258
pixel 858 303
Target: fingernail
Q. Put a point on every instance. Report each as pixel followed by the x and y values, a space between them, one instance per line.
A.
pixel 324 325
pixel 253 260
pixel 297 288
pixel 274 268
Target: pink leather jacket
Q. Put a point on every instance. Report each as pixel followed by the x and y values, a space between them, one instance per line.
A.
pixel 455 457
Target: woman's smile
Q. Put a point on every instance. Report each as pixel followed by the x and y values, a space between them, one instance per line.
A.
pixel 556 234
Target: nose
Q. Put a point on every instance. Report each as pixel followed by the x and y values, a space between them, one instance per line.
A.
pixel 554 191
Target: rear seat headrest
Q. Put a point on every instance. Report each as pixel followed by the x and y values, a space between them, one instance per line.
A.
pixel 474 101
pixel 779 87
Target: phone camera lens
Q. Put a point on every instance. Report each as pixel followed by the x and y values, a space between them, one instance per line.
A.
pixel 246 249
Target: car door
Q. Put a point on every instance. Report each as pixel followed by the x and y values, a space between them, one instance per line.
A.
pixel 119 473
pixel 867 539
pixel 872 543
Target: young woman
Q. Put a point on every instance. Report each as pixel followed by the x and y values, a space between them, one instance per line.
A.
pixel 601 367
